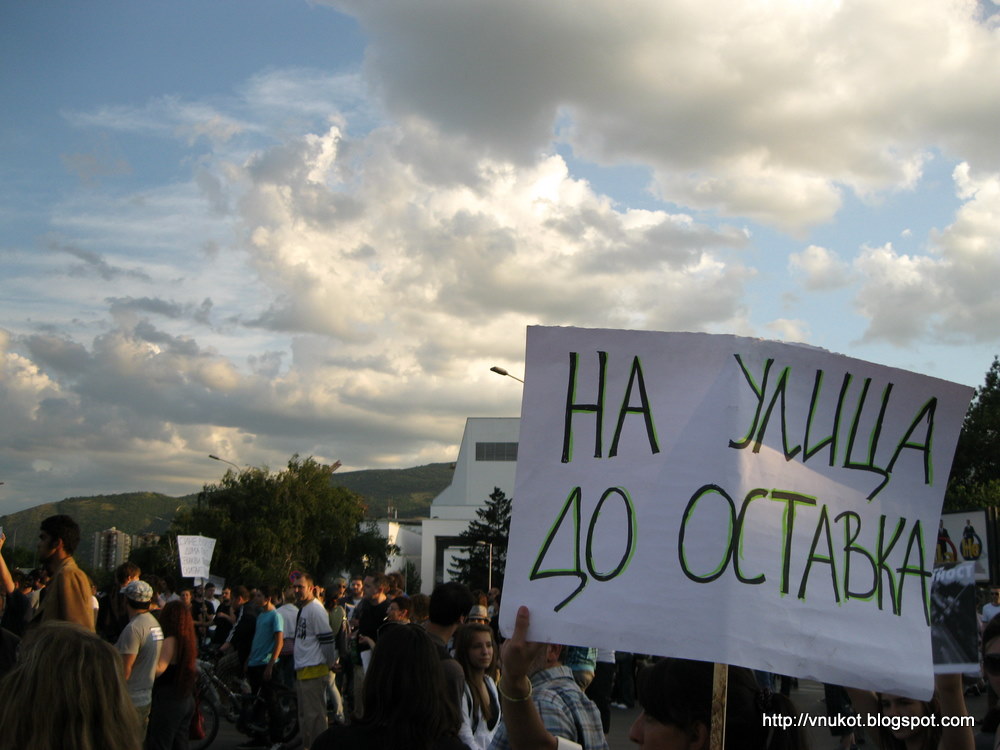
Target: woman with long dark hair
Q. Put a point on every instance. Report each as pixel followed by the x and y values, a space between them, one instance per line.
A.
pixel 176 672
pixel 404 704
pixel 475 650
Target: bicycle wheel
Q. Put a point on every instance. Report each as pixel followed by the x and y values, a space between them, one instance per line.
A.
pixel 289 713
pixel 210 717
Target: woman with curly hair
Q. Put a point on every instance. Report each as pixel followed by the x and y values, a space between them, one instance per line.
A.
pixel 176 672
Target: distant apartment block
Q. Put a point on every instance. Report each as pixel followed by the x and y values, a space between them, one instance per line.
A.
pixel 111 548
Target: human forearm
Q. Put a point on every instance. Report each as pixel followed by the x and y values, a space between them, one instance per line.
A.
pixel 5 578
pixel 166 654
pixel 525 729
pixel 951 697
pixel 328 647
pixel 128 661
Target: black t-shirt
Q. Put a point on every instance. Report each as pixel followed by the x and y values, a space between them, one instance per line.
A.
pixel 371 619
pixel 222 625
pixel 15 612
pixel 199 610
pixel 243 630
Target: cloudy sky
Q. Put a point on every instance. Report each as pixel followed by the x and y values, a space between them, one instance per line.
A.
pixel 269 227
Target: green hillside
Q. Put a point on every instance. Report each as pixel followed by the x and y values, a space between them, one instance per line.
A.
pixel 132 512
pixel 408 491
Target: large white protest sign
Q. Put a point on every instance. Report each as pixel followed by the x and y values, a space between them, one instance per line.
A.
pixel 196 555
pixel 730 499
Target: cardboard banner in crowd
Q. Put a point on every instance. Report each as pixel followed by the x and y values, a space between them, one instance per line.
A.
pixel 954 621
pixel 196 555
pixel 730 500
pixel 962 537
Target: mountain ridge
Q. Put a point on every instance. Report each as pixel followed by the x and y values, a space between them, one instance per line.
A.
pixel 409 492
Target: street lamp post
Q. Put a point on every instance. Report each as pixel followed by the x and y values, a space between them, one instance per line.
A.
pixel 225 461
pixel 501 371
pixel 489 572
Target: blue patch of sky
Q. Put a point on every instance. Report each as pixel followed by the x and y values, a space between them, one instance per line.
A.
pixel 625 184
pixel 62 57
pixel 905 218
pixel 875 222
pixel 118 52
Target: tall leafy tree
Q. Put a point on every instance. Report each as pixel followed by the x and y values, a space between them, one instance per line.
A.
pixel 159 559
pixel 267 524
pixel 492 526
pixel 369 550
pixel 975 472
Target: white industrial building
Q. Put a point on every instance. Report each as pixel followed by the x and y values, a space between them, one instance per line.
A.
pixel 486 459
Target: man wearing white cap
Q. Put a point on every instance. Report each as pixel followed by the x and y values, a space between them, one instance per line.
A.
pixel 139 644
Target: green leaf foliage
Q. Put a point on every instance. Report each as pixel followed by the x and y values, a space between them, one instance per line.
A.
pixel 268 524
pixel 975 472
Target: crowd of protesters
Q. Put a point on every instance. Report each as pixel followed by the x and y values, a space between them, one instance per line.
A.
pixel 372 666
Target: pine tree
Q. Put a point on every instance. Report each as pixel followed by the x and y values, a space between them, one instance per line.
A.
pixel 975 472
pixel 491 527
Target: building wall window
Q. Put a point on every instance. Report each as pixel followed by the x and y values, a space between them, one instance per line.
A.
pixel 496 451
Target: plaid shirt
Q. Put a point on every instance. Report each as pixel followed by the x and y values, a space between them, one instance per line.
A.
pixel 565 711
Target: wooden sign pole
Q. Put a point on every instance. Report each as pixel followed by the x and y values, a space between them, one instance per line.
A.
pixel 720 683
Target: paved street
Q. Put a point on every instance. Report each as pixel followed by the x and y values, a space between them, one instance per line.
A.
pixel 808 698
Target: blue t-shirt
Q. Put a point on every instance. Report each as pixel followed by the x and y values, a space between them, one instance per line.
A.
pixel 268 623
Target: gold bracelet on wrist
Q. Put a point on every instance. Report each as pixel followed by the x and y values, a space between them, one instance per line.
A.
pixel 513 700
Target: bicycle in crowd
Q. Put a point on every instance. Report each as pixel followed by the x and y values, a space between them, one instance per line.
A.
pixel 230 698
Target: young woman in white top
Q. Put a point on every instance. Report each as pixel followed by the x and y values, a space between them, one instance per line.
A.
pixel 476 651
